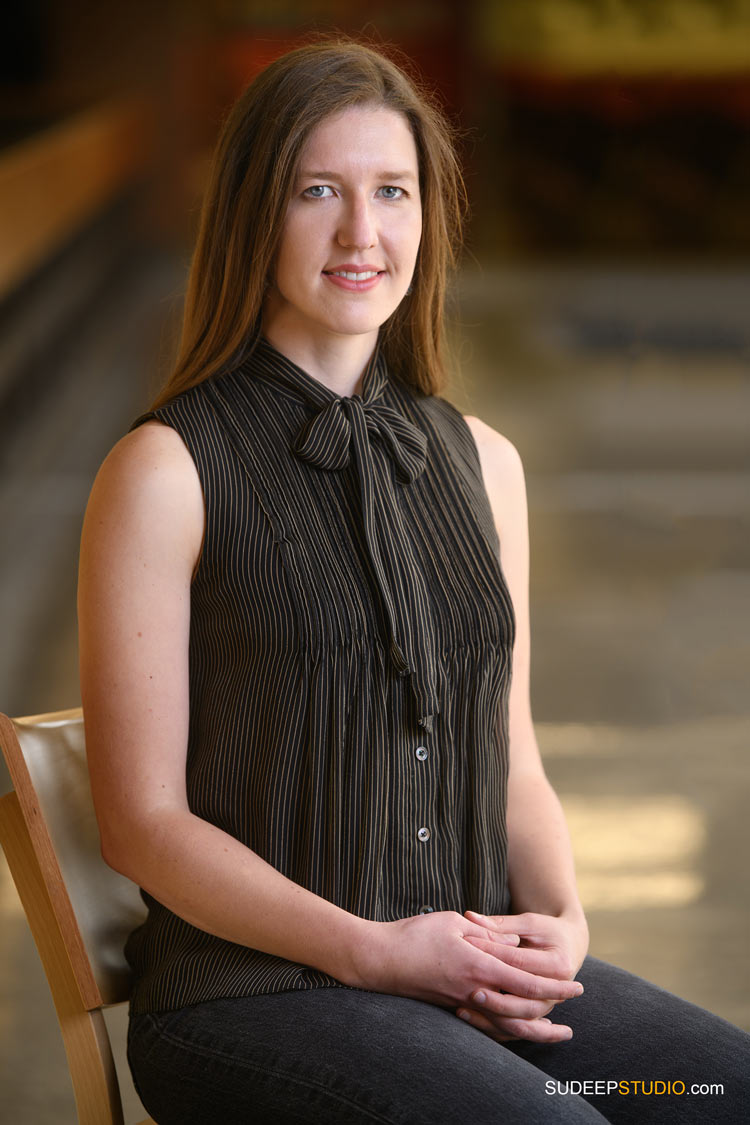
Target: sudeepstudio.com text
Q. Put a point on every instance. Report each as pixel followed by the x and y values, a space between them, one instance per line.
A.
pixel 633 1087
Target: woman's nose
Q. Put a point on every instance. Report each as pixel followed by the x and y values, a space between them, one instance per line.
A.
pixel 357 226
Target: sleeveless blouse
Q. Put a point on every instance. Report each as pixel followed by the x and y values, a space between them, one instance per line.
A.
pixel 350 654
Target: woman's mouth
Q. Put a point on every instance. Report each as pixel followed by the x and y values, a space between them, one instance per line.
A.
pixel 355 276
pixel 358 282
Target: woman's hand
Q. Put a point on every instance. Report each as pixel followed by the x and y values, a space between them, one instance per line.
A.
pixel 446 958
pixel 551 946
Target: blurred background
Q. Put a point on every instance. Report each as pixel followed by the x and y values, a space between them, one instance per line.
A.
pixel 600 321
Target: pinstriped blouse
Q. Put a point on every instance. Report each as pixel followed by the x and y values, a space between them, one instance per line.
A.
pixel 350 660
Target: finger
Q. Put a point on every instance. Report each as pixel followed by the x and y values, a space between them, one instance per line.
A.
pixel 538 1031
pixel 494 921
pixel 531 927
pixel 502 1029
pixel 504 977
pixel 541 962
pixel 509 922
pixel 506 1004
pixel 481 1023
pixel 500 939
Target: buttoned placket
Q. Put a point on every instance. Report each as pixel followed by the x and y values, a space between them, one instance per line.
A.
pixel 424 833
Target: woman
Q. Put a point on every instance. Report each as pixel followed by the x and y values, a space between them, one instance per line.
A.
pixel 305 742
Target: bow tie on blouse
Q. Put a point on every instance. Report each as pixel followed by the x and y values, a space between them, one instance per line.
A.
pixel 343 431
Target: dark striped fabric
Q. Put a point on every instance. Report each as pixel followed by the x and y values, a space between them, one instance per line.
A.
pixel 350 660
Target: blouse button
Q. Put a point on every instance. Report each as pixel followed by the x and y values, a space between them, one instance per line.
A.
pixel 421 752
pixel 423 835
pixel 426 909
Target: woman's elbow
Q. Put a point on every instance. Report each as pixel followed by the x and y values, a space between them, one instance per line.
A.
pixel 124 846
pixel 131 844
pixel 115 855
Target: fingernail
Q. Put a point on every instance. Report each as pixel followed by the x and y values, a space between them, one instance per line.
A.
pixel 568 1034
pixel 464 1016
pixel 480 997
pixel 579 990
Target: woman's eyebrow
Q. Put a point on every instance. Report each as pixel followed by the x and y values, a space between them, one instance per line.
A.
pixel 304 175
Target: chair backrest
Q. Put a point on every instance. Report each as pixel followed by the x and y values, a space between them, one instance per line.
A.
pixel 79 910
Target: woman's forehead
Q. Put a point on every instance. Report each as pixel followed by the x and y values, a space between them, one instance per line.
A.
pixel 375 132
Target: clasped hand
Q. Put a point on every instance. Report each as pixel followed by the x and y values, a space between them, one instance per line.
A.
pixel 541 944
pixel 501 973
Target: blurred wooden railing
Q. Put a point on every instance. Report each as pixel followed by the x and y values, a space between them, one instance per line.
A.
pixel 54 182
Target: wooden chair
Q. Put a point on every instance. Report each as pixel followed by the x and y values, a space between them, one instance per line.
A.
pixel 79 910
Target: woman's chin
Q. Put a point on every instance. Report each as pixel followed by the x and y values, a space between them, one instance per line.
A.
pixel 357 325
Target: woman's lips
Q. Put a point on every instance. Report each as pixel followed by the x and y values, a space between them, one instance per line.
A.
pixel 354 286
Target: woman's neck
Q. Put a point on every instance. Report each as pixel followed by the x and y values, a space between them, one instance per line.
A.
pixel 338 362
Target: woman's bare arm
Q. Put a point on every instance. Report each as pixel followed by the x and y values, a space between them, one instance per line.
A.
pixel 542 877
pixel 141 542
pixel 547 912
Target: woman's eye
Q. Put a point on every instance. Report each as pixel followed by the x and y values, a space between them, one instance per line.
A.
pixel 323 191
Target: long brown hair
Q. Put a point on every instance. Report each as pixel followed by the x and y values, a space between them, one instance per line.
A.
pixel 250 185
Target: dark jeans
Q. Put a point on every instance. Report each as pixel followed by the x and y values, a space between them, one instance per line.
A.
pixel 342 1057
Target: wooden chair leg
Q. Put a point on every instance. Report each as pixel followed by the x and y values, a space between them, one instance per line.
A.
pixel 85 1036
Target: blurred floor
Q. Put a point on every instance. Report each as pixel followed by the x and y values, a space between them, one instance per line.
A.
pixel 628 396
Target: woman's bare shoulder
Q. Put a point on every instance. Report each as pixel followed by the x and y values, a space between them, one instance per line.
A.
pixel 152 458
pixel 503 475
pixel 497 453
pixel 151 444
pixel 148 487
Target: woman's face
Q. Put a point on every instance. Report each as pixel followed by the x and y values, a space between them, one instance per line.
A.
pixel 355 209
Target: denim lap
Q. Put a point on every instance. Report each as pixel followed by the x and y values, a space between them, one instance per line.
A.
pixel 331 1056
pixel 344 1056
